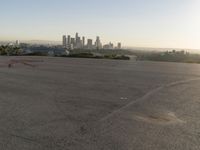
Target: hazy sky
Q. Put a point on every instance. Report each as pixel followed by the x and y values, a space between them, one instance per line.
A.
pixel 145 23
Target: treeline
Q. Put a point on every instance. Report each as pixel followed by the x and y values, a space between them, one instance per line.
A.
pixel 98 56
pixel 104 51
pixel 10 50
pixel 168 56
pixel 171 56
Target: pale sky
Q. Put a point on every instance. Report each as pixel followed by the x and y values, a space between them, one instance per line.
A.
pixel 138 23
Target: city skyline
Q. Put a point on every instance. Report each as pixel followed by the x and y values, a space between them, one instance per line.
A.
pixel 79 42
pixel 135 23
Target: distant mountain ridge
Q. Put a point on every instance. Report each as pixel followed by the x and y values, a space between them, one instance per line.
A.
pixel 163 49
pixel 46 42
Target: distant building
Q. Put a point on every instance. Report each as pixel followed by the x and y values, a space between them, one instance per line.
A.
pixel 68 42
pixel 89 44
pixel 80 43
pixel 83 41
pixel 119 46
pixel 108 46
pixel 68 39
pixel 111 45
pixel 64 41
pixel 73 43
pixel 98 43
pixel 17 42
pixel 71 46
pixel 76 37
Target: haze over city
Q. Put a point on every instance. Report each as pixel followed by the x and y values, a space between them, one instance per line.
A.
pixel 138 23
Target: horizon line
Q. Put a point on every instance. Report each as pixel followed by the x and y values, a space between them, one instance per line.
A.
pixel 131 47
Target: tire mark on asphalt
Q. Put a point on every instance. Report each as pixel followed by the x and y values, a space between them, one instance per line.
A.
pixel 147 95
pixel 27 139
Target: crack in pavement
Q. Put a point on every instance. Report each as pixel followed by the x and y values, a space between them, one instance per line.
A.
pixel 147 95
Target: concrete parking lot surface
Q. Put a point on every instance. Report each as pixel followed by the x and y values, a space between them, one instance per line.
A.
pixel 89 104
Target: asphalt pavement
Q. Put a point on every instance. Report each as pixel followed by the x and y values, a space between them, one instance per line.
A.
pixel 49 103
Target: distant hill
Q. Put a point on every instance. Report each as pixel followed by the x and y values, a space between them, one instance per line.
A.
pixel 162 49
pixel 41 42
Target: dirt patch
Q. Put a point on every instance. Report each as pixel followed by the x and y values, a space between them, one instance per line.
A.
pixel 166 118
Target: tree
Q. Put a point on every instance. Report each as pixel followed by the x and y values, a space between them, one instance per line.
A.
pixel 9 50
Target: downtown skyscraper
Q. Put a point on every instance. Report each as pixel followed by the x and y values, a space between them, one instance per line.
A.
pixel 77 42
